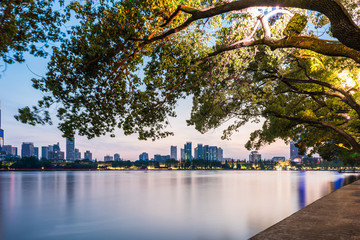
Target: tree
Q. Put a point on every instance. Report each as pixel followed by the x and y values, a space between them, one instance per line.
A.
pixel 28 26
pixel 234 63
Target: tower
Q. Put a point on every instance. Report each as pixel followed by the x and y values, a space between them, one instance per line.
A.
pixel 27 149
pixel 254 156
pixel 116 157
pixel 220 154
pixel 88 155
pixel 200 152
pixel 70 149
pixel 173 152
pixel 187 151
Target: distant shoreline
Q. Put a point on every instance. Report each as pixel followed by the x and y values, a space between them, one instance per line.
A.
pixel 157 169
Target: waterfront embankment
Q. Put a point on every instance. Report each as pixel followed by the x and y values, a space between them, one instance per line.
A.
pixel 335 216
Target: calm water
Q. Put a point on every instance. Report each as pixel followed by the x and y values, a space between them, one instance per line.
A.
pixel 154 204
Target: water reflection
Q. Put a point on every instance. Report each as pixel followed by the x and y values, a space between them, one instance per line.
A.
pixel 302 190
pixel 154 204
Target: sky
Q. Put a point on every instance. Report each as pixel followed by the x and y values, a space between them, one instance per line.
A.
pixel 16 91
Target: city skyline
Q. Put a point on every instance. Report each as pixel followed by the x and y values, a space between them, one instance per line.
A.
pixel 53 152
pixel 16 91
pixel 64 144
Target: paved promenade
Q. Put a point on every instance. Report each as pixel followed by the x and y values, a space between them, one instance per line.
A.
pixel 335 216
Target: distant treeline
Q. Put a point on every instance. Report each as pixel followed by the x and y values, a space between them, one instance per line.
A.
pixel 34 163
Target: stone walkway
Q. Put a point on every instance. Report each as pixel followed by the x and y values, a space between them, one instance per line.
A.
pixel 335 216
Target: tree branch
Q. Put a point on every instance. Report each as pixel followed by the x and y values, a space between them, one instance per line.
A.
pixel 351 140
pixel 344 95
pixel 181 8
pixel 342 26
pixel 328 48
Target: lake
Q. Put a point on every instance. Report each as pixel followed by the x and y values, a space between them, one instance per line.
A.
pixel 199 205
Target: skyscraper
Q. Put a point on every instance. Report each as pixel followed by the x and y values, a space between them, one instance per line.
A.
pixel 187 151
pixel 196 153
pixel 116 157
pixel 88 155
pixel 200 152
pixel 70 149
pixel 182 154
pixel 55 153
pixel 27 149
pixel 144 156
pixel 220 154
pixel 1 132
pixel 173 152
pixel 44 152
pixel 254 156
pixel 36 152
pixel 77 154
pixel 206 152
pixel 212 153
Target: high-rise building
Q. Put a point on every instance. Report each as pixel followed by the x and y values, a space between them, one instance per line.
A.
pixel 294 152
pixel 200 152
pixel 108 158
pixel 1 132
pixel 44 152
pixel 196 154
pixel 116 157
pixel 9 150
pixel 36 152
pixel 70 149
pixel 212 153
pixel 61 155
pixel 77 154
pixel 254 156
pixel 144 156
pixel 27 149
pixel 182 154
pixel 187 151
pixel 220 154
pixel 206 152
pixel 54 152
pixel 88 155
pixel 173 152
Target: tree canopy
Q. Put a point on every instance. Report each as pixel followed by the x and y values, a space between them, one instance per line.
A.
pixel 243 60
pixel 28 26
